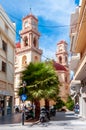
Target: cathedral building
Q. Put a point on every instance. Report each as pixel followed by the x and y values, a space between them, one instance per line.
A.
pixel 27 50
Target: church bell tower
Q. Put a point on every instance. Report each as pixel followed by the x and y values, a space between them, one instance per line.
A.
pixel 62 54
pixel 30 38
pixel 27 50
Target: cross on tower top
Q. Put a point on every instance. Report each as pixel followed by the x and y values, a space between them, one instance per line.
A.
pixel 30 11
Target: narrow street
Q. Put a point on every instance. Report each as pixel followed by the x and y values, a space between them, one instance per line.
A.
pixel 62 121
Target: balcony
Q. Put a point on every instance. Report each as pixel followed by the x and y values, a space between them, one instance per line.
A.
pixel 75 86
pixel 80 43
pixel 81 39
pixel 74 61
pixel 81 70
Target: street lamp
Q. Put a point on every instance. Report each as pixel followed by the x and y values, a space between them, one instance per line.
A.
pixel 23 98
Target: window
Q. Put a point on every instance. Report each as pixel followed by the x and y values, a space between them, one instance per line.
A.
pixel 4 45
pixel 24 60
pixel 6 28
pixel 66 79
pixel 34 42
pixel 60 59
pixel 25 41
pixel 65 58
pixel 3 66
pixel 36 59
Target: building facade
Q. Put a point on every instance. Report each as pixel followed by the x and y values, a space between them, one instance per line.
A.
pixel 7 51
pixel 63 69
pixel 27 50
pixel 75 57
pixel 79 46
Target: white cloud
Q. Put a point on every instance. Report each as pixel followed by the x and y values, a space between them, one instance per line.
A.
pixel 56 11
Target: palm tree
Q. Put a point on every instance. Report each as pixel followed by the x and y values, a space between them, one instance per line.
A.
pixel 42 82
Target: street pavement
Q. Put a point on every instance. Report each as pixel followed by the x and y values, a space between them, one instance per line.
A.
pixel 62 121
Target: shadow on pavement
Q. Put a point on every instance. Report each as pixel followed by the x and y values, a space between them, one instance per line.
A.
pixel 10 119
pixel 15 120
pixel 59 120
pixel 61 116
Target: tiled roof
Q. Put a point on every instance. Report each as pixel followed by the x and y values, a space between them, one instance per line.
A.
pixel 59 67
pixel 61 42
pixel 18 45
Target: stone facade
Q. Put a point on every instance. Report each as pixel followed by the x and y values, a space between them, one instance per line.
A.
pixel 7 50
pixel 79 46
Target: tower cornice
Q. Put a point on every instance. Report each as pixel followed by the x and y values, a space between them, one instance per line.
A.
pixel 61 53
pixel 29 30
pixel 62 42
pixel 22 50
pixel 30 15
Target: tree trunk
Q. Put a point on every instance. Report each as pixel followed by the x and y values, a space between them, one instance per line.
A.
pixel 37 109
pixel 47 104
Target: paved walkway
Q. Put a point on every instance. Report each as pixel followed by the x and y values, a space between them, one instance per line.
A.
pixel 62 121
pixel 11 119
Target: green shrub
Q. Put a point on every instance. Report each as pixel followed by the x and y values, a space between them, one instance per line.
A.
pixel 70 103
pixel 59 103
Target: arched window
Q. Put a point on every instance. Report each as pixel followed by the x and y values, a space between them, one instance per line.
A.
pixel 66 87
pixel 24 60
pixel 35 59
pixel 34 42
pixel 66 79
pixel 65 58
pixel 60 59
pixel 25 41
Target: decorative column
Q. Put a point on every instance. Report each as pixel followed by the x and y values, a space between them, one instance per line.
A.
pixel 31 39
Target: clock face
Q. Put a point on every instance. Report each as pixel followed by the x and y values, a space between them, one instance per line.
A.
pixel 26 24
pixel 60 48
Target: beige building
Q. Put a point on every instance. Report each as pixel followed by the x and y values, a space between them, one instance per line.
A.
pixel 27 50
pixel 7 46
pixel 79 47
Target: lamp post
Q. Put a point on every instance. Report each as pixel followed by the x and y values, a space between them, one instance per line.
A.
pixel 23 98
pixel 24 85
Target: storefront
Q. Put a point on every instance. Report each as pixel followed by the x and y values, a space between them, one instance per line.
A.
pixel 6 104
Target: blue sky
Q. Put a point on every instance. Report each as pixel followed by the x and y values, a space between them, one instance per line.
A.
pixel 49 13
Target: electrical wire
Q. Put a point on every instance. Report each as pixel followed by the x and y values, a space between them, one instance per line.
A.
pixel 38 25
pixel 47 26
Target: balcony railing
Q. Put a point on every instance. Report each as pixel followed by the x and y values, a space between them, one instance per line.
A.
pixel 80 71
pixel 74 61
pixel 27 48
